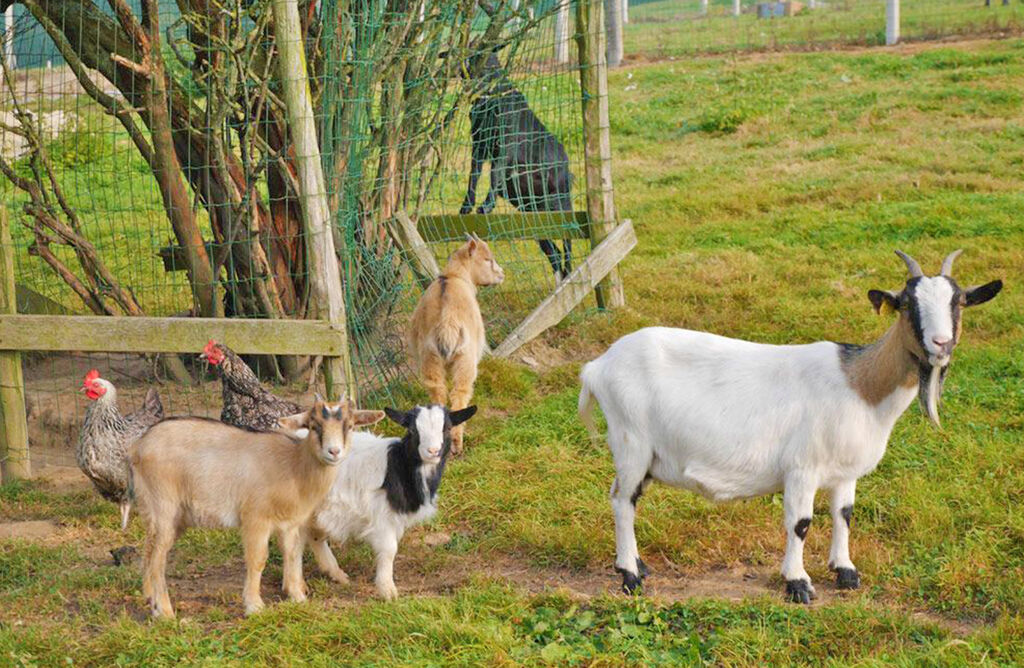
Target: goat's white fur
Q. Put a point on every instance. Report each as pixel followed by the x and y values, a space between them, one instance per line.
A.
pixel 732 419
pixel 357 508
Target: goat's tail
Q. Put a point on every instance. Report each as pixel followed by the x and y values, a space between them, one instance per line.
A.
pixel 448 338
pixel 586 404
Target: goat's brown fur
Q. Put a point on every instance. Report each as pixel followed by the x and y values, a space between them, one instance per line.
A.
pixel 197 472
pixel 877 371
pixel 447 335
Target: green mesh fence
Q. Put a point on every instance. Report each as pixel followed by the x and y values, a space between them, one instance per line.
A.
pixel 108 177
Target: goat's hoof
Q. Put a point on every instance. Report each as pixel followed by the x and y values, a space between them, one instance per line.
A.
pixel 800 591
pixel 339 576
pixel 388 592
pixel 485 209
pixel 253 608
pixel 847 578
pixel 631 581
pixel 466 209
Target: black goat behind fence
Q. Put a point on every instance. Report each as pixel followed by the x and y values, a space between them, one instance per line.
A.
pixel 529 165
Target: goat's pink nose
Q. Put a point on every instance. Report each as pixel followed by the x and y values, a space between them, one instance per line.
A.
pixel 334 452
pixel 941 340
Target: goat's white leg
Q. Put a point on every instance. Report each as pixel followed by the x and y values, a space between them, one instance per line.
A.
pixel 325 557
pixel 291 552
pixel 385 547
pixel 839 557
pixel 798 501
pixel 630 480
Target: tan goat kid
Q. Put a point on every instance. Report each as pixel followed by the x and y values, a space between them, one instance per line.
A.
pixel 447 335
pixel 196 472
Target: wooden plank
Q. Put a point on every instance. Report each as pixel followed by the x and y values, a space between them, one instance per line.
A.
pixel 14 454
pixel 597 147
pixel 324 273
pixel 30 301
pixel 490 226
pixel 573 289
pixel 90 333
pixel 416 251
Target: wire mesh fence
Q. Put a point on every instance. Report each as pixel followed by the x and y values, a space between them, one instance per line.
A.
pixel 150 171
pixel 660 29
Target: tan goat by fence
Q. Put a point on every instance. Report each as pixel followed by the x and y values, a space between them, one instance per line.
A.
pixel 447 334
pixel 196 472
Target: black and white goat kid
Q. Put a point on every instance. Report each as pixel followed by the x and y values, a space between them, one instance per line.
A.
pixel 529 166
pixel 732 419
pixel 384 487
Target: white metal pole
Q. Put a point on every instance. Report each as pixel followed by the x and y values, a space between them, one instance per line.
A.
pixel 9 36
pixel 892 22
pixel 613 30
pixel 625 11
pixel 703 7
pixel 735 7
pixel 562 33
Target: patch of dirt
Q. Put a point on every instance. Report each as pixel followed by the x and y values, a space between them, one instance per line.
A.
pixel 33 530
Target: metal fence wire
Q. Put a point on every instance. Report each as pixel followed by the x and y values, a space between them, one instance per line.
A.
pixel 150 171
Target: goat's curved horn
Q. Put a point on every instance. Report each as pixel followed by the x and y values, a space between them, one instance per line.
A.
pixel 469 237
pixel 317 397
pixel 947 264
pixel 912 266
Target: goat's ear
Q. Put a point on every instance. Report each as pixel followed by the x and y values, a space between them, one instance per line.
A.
pixel 982 293
pixel 364 418
pixel 295 427
pixel 884 301
pixel 461 415
pixel 399 417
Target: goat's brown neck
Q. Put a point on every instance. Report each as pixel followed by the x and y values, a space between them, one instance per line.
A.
pixel 457 269
pixel 879 369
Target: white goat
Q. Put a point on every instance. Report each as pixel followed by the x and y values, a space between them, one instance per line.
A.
pixel 384 487
pixel 732 419
pixel 199 472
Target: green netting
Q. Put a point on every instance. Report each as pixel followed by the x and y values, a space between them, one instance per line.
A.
pixel 108 177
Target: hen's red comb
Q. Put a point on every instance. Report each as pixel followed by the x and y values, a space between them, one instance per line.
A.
pixel 91 376
pixel 209 346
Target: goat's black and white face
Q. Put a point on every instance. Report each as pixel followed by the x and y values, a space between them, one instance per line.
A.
pixel 430 428
pixel 932 307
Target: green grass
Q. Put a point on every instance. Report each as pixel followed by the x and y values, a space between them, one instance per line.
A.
pixel 673 28
pixel 768 193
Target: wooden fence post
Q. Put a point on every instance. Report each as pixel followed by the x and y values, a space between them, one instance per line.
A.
pixel 597 144
pixel 14 457
pixel 325 275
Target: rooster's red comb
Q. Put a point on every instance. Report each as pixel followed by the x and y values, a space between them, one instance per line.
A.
pixel 209 346
pixel 91 376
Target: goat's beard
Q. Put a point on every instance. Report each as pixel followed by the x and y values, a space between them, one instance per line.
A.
pixel 930 378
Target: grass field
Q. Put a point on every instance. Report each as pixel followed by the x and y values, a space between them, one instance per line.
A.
pixel 768 192
pixel 673 28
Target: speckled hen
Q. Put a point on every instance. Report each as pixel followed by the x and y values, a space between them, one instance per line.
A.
pixel 247 404
pixel 106 437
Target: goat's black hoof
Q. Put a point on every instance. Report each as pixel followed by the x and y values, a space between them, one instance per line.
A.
pixel 641 568
pixel 485 209
pixel 799 591
pixel 847 578
pixel 466 209
pixel 631 583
